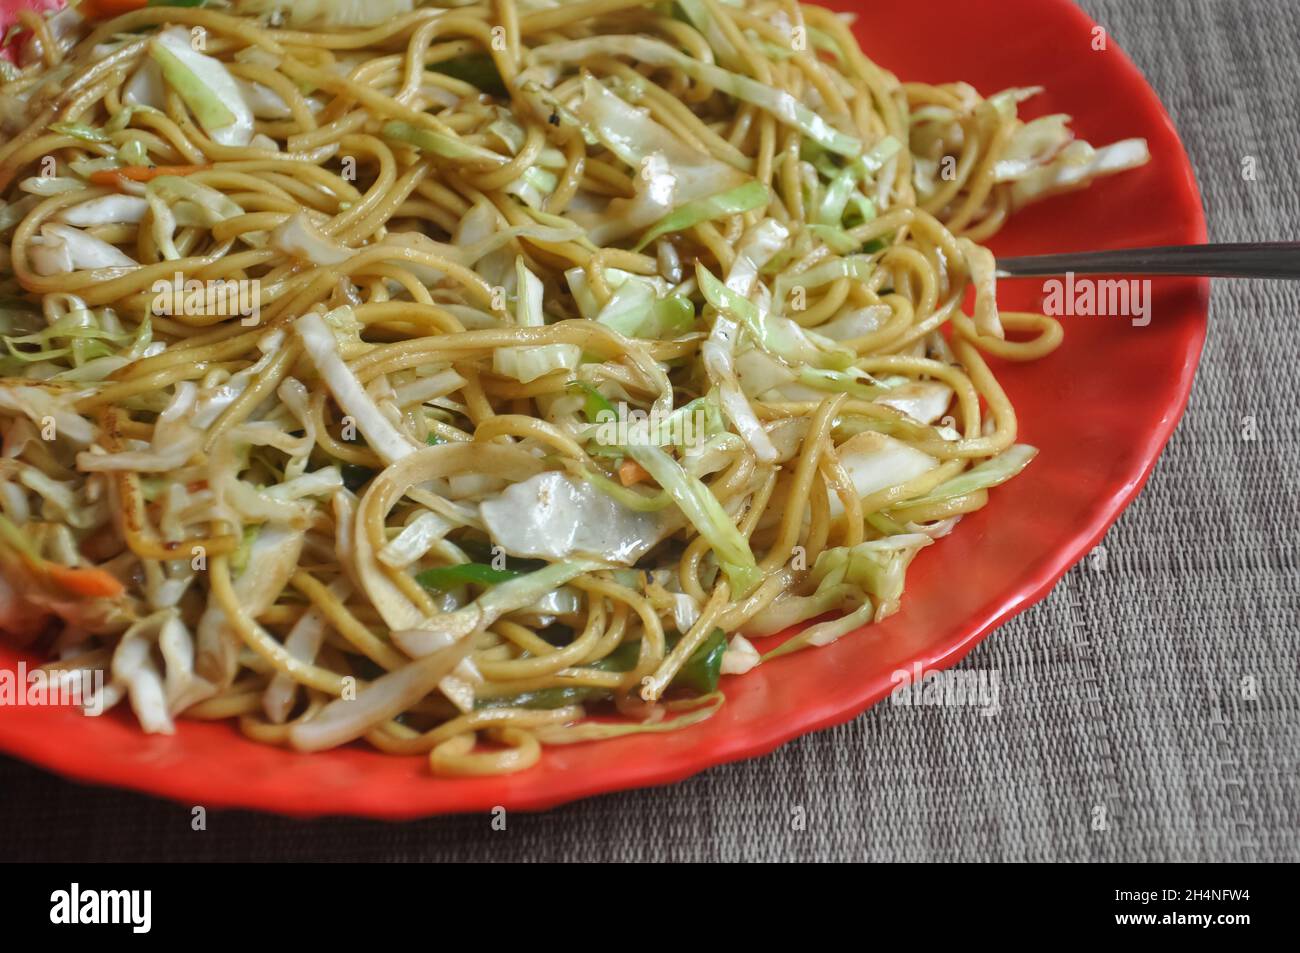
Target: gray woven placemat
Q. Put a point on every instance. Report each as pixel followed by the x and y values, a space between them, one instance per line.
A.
pixel 1159 695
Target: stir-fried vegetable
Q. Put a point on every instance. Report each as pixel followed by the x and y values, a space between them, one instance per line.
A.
pixel 477 69
pixel 779 103
pixel 743 198
pixel 706 514
pixel 699 676
pixel 206 86
pixel 990 473
pixel 444 578
pixel 778 336
pixel 380 432
pixel 85 581
pixel 528 364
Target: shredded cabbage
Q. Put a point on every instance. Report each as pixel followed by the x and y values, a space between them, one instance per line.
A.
pixel 644 49
pixel 701 507
pixel 513 594
pixel 669 172
pixel 556 516
pixel 777 335
pixel 299 238
pixel 868 579
pixel 875 461
pixel 105 210
pixel 60 249
pixel 1076 166
pixel 990 473
pixel 858 267
pixel 381 434
pixel 526 364
pixel 206 86
pixel 744 198
pixel 346 719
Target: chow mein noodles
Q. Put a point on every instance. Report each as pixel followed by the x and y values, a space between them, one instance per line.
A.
pixel 476 377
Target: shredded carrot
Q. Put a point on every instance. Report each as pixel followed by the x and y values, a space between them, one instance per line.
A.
pixel 86 581
pixel 630 473
pixel 113 178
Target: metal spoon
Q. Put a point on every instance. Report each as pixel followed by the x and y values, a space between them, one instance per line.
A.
pixel 1245 260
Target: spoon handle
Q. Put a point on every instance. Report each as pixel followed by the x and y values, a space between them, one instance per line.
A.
pixel 1247 260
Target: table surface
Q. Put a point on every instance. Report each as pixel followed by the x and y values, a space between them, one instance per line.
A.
pixel 1150 706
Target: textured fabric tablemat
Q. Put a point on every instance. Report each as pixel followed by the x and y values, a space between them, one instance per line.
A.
pixel 1157 690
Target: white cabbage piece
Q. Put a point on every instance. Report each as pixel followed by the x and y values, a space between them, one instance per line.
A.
pixel 298 238
pixel 146 87
pixel 39 405
pixel 990 473
pixel 264 102
pixel 303 642
pixel 740 656
pixel 875 461
pixel 437 632
pixel 553 516
pixel 526 364
pixel 866 579
pixel 345 719
pixel 855 322
pixel 984 275
pixel 208 88
pixel 175 440
pixel 416 538
pixel 923 401
pixel 757 248
pixel 134 671
pixel 669 172
pixel 1033 144
pixel 60 249
pixel 1077 165
pixel 181 686
pixel 381 434
pixel 106 210
pixel 272 560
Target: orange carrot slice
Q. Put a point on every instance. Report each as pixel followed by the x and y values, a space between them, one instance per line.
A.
pixel 631 473
pixel 86 581
pixel 113 178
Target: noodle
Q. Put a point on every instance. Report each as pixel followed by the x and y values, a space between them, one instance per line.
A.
pixel 340 398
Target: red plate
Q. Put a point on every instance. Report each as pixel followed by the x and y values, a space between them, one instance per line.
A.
pixel 1101 409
